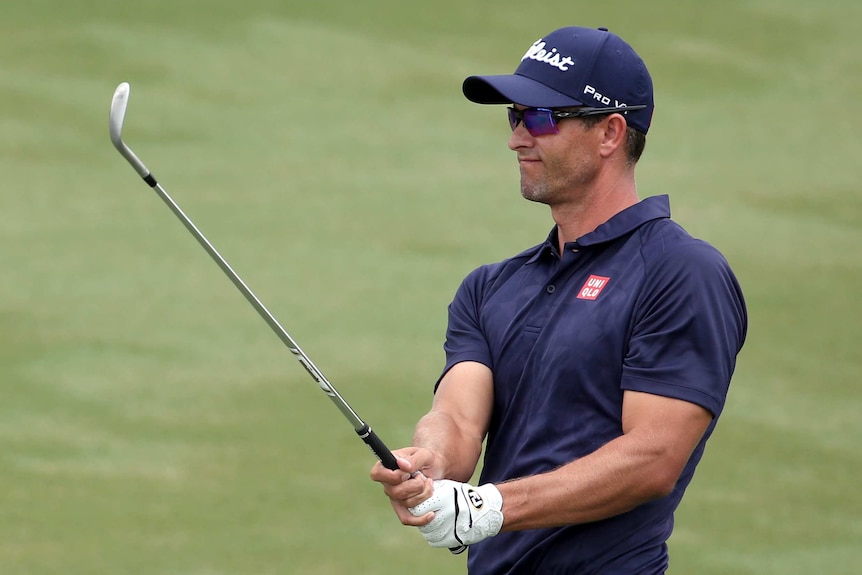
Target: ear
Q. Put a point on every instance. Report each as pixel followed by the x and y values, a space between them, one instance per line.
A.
pixel 614 136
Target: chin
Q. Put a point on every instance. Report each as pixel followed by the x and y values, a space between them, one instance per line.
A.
pixel 534 194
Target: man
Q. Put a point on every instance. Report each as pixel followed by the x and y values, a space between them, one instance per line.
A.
pixel 595 363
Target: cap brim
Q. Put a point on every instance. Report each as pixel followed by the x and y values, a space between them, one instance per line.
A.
pixel 514 89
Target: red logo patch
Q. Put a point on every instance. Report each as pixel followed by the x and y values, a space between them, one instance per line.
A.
pixel 593 287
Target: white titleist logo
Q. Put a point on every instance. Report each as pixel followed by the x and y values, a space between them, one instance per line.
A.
pixel 537 52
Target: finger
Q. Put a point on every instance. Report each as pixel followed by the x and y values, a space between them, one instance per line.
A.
pixel 405 464
pixel 424 519
pixel 416 498
pixel 409 493
pixel 388 476
pixel 411 520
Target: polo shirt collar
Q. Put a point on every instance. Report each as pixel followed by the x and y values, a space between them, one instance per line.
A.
pixel 623 223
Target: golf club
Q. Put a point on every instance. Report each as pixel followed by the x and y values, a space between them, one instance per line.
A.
pixel 119 103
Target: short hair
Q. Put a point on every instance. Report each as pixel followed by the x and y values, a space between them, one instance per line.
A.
pixel 635 139
pixel 635 144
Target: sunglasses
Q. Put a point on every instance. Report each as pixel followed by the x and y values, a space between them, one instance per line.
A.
pixel 543 121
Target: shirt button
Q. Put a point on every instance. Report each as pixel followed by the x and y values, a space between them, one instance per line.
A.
pixel 550 288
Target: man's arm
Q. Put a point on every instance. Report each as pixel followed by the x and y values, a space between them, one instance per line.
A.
pixel 447 442
pixel 455 427
pixel 644 463
pixel 659 436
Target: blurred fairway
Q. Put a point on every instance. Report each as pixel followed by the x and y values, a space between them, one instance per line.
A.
pixel 152 424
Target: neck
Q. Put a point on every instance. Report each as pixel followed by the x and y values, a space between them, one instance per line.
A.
pixel 584 214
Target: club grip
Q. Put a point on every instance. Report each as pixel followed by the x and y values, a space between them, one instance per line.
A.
pixel 378 447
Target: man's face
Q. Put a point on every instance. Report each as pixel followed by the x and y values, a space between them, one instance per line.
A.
pixel 557 168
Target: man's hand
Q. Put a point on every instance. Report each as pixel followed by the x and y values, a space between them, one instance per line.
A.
pixel 463 514
pixel 408 486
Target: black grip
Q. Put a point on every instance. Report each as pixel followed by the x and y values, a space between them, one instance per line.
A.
pixel 378 447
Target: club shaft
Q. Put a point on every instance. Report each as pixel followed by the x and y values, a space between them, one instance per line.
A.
pixel 361 428
pixel 256 303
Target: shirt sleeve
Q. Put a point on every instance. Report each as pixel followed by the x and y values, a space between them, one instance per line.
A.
pixel 689 325
pixel 465 339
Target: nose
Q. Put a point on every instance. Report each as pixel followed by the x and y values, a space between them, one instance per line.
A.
pixel 520 138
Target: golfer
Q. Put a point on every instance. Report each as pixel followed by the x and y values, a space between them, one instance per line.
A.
pixel 593 366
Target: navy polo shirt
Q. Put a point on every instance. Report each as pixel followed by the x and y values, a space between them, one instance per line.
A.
pixel 637 304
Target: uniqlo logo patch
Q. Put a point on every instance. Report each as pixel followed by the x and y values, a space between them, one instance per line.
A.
pixel 593 287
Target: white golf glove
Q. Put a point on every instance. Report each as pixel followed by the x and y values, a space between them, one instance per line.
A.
pixel 463 514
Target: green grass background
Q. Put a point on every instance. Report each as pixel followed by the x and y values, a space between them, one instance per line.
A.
pixel 151 423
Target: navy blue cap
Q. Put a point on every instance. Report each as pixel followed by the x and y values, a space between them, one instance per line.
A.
pixel 573 66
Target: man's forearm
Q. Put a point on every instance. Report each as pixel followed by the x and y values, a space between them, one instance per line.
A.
pixel 455 427
pixel 605 483
pixel 457 452
pixel 641 465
